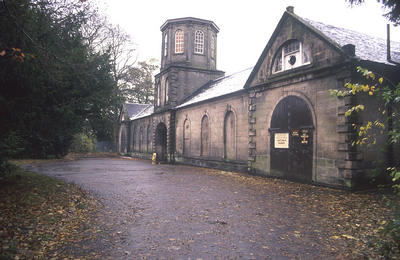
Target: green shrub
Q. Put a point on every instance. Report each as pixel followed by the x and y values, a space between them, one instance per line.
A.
pixel 83 143
pixel 10 145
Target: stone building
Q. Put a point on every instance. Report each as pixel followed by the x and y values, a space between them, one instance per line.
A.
pixel 276 119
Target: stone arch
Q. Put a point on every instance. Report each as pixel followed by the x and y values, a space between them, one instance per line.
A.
pixel 292 138
pixel 309 104
pixel 140 141
pixel 123 139
pixel 301 57
pixel 133 138
pixel 205 136
pixel 186 136
pixel 148 138
pixel 230 134
pixel 160 144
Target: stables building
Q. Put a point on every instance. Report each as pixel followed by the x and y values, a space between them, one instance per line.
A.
pixel 276 119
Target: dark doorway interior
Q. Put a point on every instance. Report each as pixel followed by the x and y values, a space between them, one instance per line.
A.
pixel 161 142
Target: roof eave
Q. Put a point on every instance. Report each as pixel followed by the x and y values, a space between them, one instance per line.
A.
pixel 190 19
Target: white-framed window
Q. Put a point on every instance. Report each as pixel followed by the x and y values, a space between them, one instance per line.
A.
pixel 179 41
pixel 199 42
pixel 291 55
pixel 212 46
pixel 165 44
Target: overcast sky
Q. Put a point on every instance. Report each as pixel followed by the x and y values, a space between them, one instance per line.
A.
pixel 245 26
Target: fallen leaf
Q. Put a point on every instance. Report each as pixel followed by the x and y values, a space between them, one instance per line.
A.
pixel 349 237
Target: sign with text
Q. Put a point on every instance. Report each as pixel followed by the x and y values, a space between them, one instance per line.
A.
pixel 281 140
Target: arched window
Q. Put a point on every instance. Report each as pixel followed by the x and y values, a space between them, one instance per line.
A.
pixel 123 148
pixel 179 41
pixel 148 136
pixel 205 137
pixel 186 137
pixel 212 46
pixel 143 133
pixel 134 140
pixel 158 94
pixel 165 44
pixel 229 136
pixel 140 141
pixel 166 89
pixel 199 42
pixel 291 55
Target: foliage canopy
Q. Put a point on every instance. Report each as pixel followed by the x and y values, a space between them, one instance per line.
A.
pixel 63 70
pixel 51 81
pixel 393 7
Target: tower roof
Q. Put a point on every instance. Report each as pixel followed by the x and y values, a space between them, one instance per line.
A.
pixel 190 20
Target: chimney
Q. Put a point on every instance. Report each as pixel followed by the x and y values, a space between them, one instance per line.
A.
pixel 349 49
pixel 290 9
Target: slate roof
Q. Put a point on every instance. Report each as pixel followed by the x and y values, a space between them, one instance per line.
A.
pixel 220 87
pixel 367 47
pixel 135 109
pixel 148 110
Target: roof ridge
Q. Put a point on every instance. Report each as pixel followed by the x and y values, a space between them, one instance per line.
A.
pixel 211 83
pixel 218 87
pixel 343 28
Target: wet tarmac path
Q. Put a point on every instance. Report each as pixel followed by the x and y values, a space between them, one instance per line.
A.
pixel 182 212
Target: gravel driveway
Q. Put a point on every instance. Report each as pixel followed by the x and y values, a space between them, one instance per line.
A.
pixel 182 212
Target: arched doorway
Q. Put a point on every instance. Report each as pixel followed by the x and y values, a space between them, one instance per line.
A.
pixel 292 140
pixel 186 137
pixel 161 142
pixel 123 140
pixel 204 136
pixel 229 136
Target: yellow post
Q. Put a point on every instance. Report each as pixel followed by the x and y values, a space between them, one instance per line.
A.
pixel 153 159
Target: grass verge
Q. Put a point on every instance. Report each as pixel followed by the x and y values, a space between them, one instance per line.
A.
pixel 40 215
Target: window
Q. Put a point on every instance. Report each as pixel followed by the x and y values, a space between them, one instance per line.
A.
pixel 291 55
pixel 165 44
pixel 199 42
pixel 166 89
pixel 212 46
pixel 291 47
pixel 179 41
pixel 204 136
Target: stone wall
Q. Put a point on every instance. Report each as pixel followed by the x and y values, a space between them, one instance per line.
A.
pixel 216 112
pixel 324 110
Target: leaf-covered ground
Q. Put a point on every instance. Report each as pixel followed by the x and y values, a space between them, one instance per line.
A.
pixel 353 222
pixel 41 216
pixel 152 212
